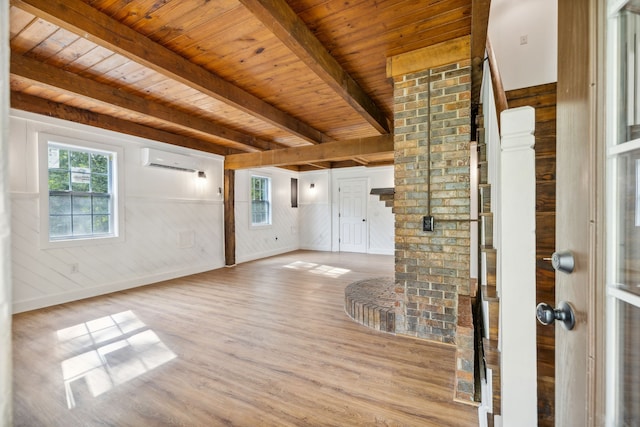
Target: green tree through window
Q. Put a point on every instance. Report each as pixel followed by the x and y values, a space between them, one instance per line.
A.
pixel 260 200
pixel 80 192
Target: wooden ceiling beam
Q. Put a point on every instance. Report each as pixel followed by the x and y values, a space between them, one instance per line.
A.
pixel 361 161
pixel 330 151
pixel 278 17
pixel 433 56
pixel 80 18
pixel 479 25
pixel 34 104
pixel 319 165
pixel 39 72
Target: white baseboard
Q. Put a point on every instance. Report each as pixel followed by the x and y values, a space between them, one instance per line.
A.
pixel 64 297
pixel 381 251
pixel 265 254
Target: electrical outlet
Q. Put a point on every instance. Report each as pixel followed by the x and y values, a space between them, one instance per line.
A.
pixel 428 223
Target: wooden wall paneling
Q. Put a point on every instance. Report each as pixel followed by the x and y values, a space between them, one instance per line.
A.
pixel 545 196
pixel 545 168
pixel 545 236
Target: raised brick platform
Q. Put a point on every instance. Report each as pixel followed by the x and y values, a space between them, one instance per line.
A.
pixel 371 302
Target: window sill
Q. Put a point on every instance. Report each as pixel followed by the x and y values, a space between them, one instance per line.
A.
pixel 79 242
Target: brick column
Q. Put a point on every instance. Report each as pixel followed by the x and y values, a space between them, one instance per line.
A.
pixel 432 132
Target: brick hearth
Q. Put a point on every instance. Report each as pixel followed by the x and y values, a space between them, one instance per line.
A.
pixel 372 302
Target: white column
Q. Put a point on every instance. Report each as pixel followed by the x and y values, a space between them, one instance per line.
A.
pixel 518 275
pixel 6 376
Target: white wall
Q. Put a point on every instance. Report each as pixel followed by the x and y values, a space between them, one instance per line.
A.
pixel 6 379
pixel 279 237
pixel 319 209
pixel 173 221
pixel 534 62
pixel 315 211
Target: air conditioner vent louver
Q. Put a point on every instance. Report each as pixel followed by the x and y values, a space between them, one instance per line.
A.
pixel 167 160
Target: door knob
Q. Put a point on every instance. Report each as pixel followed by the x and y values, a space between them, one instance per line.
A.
pixel 547 315
pixel 363 220
pixel 562 261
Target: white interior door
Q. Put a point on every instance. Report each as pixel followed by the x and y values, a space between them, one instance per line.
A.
pixel 352 215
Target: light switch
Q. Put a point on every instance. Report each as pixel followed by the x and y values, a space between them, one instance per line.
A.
pixel 427 223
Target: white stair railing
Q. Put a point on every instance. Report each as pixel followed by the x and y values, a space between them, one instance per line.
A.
pixel 517 269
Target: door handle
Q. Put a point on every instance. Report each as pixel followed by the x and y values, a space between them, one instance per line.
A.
pixel 546 314
pixel 562 261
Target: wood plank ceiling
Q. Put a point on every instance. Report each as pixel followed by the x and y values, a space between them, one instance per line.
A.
pixel 225 76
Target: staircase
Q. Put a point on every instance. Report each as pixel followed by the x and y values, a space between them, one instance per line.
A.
pixel 488 304
pixel 385 195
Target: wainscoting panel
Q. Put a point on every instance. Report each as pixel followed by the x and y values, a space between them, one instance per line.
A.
pixel 164 238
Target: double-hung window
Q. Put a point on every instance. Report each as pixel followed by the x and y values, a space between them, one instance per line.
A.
pixel 260 201
pixel 81 185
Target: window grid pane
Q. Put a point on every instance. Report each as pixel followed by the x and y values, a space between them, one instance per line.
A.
pixel 80 199
pixel 260 201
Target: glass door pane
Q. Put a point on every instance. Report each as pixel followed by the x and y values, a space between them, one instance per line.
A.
pixel 623 213
pixel 627 273
pixel 628 365
pixel 628 70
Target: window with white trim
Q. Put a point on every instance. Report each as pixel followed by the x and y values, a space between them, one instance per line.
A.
pixel 81 192
pixel 260 200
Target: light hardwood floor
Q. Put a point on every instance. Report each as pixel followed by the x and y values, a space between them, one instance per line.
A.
pixel 265 343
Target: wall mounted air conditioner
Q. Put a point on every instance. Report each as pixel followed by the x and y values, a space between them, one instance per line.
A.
pixel 163 159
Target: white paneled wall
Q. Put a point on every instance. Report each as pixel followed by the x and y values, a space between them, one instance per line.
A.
pixel 173 221
pixel 6 400
pixel 279 237
pixel 315 211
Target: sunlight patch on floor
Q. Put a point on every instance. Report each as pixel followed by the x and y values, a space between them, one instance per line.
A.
pixel 108 352
pixel 325 270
